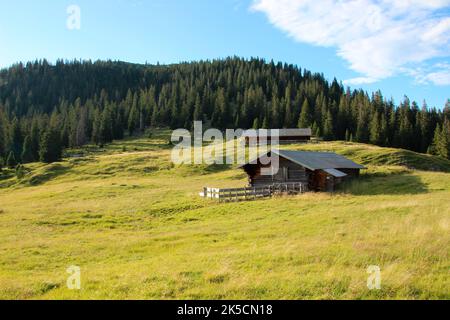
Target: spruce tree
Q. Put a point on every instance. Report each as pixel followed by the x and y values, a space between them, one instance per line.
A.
pixel 288 116
pixel 16 139
pixel 50 146
pixel 362 131
pixel 96 127
pixel 443 140
pixel 315 130
pixel 106 126
pixel 2 135
pixel 433 148
pixel 133 119
pixel 375 129
pixel 198 109
pixel 27 152
pixel 11 161
pixel 222 107
pixel 328 127
pixel 383 130
pixel 305 119
pixel 265 124
pixel 34 140
pixel 256 124
pixel 342 121
pixel 275 110
pixel 81 131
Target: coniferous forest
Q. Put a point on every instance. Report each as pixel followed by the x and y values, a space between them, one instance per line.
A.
pixel 45 108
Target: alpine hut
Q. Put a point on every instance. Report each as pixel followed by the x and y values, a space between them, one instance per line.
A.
pixel 320 171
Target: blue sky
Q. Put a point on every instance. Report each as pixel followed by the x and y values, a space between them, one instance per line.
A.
pixel 398 46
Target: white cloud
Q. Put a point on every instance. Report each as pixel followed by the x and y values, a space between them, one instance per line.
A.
pixel 441 78
pixel 378 38
pixel 360 80
pixel 438 74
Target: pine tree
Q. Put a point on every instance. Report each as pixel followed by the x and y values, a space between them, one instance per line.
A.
pixel 256 124
pixel 443 140
pixel 433 148
pixel 96 133
pixel 275 109
pixel 133 118
pixel 342 117
pixel 106 126
pixel 65 136
pixel 265 124
pixel 198 109
pixel 2 135
pixel 50 146
pixel 16 139
pixel 81 131
pixel 34 140
pixel 383 130
pixel 154 118
pixel 328 127
pixel 305 119
pixel 362 131
pixel 375 129
pixel 315 130
pixel 288 116
pixel 118 123
pixel 11 161
pixel 27 152
pixel 223 112
pixel 424 128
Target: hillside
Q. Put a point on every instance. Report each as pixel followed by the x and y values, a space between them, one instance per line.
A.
pixel 135 225
pixel 46 108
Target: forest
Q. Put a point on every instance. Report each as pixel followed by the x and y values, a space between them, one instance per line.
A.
pixel 45 108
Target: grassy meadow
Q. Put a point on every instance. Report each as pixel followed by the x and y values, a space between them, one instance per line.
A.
pixel 137 228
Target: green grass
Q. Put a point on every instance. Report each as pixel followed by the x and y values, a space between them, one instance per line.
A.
pixel 136 226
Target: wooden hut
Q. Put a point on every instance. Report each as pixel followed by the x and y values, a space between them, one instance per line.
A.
pixel 320 171
pixel 283 135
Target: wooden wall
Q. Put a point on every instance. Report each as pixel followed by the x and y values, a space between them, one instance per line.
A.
pixel 288 172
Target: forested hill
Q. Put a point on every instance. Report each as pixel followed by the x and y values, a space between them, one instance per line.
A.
pixel 45 107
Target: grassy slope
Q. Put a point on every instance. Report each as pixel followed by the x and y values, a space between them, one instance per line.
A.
pixel 136 227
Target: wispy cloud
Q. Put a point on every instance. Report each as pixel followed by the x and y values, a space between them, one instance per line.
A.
pixel 378 38
pixel 438 74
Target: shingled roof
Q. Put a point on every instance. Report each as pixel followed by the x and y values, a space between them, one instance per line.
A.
pixel 318 160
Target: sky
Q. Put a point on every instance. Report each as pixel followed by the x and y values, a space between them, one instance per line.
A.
pixel 401 47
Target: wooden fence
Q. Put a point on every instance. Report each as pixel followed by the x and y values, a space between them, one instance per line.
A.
pixel 251 193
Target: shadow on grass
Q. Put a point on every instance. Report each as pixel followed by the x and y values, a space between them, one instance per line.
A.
pixel 380 184
pixel 45 174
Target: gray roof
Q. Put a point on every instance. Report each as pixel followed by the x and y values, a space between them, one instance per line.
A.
pixel 335 173
pixel 319 160
pixel 278 132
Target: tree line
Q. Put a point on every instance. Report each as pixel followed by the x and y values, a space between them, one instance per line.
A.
pixel 45 107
